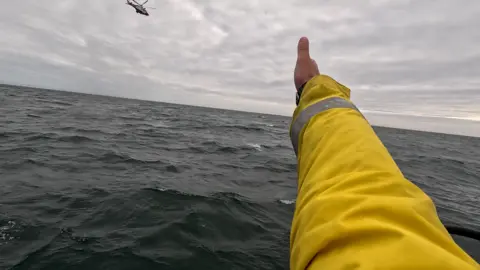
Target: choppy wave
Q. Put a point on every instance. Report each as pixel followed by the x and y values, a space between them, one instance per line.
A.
pixel 287 201
pixel 7 232
pixel 33 115
pixel 103 183
pixel 151 218
pixel 113 157
pixel 75 139
pixel 217 147
pixel 56 102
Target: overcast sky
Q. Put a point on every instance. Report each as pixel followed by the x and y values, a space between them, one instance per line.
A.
pixel 411 58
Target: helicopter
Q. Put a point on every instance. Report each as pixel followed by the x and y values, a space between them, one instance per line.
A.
pixel 139 8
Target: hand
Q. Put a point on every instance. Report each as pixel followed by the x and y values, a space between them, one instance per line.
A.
pixel 305 68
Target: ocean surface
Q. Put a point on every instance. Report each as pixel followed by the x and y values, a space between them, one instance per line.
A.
pixel 94 182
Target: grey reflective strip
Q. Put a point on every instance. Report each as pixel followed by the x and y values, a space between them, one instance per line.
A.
pixel 312 110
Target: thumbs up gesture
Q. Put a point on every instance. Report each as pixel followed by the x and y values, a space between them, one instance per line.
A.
pixel 305 68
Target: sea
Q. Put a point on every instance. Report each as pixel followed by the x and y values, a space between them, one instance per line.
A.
pixel 96 182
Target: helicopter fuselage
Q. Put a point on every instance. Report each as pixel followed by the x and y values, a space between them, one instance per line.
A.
pixel 139 9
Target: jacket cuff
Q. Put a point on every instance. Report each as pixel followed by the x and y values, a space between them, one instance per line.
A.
pixel 299 92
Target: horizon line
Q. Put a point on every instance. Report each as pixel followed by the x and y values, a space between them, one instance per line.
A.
pixel 377 113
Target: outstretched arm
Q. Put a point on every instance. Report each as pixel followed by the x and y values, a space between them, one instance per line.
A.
pixel 355 209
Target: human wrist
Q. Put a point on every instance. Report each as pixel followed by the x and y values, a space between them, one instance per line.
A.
pixel 299 92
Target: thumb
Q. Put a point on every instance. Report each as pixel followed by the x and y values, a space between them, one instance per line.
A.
pixel 303 49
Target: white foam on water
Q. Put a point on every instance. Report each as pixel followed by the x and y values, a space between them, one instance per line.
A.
pixel 5 232
pixel 287 201
pixel 255 145
pixel 160 124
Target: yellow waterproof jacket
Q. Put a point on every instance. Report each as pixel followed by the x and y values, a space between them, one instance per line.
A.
pixel 354 208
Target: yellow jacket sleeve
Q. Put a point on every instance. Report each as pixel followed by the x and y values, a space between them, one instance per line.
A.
pixel 354 208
